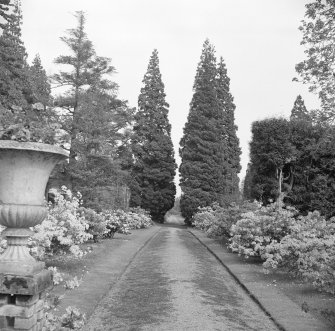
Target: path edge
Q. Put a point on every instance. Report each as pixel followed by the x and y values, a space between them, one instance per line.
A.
pixel 123 271
pixel 282 321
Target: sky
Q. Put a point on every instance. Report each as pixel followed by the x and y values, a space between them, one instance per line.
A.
pixel 259 41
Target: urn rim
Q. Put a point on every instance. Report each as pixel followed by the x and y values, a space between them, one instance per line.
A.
pixel 32 146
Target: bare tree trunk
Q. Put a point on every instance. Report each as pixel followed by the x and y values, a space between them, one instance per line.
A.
pixel 280 193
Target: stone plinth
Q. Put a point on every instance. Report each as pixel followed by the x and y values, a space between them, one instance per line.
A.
pixel 22 301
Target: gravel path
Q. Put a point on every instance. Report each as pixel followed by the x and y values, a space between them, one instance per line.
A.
pixel 175 283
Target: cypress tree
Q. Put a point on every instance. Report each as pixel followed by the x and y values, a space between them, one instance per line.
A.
pixel 201 147
pixel 230 142
pixel 154 167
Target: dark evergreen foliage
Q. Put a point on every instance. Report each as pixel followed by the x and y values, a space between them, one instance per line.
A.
pixel 299 111
pixel 97 123
pixel 154 166
pixel 87 72
pixel 270 151
pixel 22 118
pixel 4 8
pixel 314 168
pixel 304 151
pixel 209 148
pixel 98 165
pixel 230 145
pixel 14 80
pixel 200 148
pixel 39 82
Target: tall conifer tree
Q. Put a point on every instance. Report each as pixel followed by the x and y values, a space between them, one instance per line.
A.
pixel 299 110
pixel 14 81
pixel 87 72
pixel 230 144
pixel 201 147
pixel 95 120
pixel 154 168
pixel 40 86
pixel 209 149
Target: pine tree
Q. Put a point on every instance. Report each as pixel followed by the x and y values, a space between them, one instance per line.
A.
pixel 201 147
pixel 230 144
pixel 154 168
pixel 299 110
pixel 40 86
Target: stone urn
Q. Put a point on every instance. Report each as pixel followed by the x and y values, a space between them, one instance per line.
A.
pixel 25 168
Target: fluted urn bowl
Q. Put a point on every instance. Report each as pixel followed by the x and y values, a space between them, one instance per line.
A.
pixel 25 168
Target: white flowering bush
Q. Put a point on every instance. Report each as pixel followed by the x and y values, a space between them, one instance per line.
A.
pixel 115 222
pixel 63 230
pixel 72 283
pixel 206 220
pixel 123 221
pixel 97 223
pixel 257 229
pixel 68 225
pixel 73 319
pixel 308 250
pixel 139 218
pixel 58 277
pixel 217 221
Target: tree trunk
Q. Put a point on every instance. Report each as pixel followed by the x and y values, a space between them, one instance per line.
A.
pixel 280 193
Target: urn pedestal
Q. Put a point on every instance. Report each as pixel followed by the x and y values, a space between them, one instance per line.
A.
pixel 24 172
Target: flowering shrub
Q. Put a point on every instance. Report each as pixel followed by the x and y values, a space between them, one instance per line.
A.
pixel 304 245
pixel 257 229
pixel 308 251
pixel 56 275
pixel 68 225
pixel 115 222
pixel 139 218
pixel 63 230
pixel 52 323
pixel 123 221
pixel 206 220
pixel 217 221
pixel 97 224
pixel 73 319
pixel 72 283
